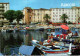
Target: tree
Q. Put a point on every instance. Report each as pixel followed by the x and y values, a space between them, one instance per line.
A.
pixel 78 19
pixel 64 17
pixel 9 15
pixel 47 17
pixel 19 15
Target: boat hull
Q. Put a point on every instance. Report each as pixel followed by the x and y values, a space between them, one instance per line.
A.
pixel 54 52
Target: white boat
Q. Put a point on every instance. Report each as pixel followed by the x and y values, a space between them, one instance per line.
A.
pixel 60 50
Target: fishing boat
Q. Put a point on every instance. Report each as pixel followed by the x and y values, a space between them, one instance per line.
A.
pixel 52 49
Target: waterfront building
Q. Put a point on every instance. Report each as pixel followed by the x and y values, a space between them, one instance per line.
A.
pixel 77 14
pixel 38 14
pixel 35 15
pixel 3 8
pixel 55 14
pixel 27 12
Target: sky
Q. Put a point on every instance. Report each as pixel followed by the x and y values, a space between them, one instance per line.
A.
pixel 36 4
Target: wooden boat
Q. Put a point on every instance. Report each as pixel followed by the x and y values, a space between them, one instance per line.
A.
pixel 56 50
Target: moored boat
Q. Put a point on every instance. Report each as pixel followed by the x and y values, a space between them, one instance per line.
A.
pixel 53 49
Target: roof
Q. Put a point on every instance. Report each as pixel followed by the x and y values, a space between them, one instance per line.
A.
pixel 76 7
pixel 27 8
pixel 26 50
pixel 4 3
pixel 41 9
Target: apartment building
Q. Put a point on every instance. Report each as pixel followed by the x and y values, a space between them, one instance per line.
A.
pixel 27 12
pixel 34 15
pixel 77 14
pixel 57 13
pixel 3 8
pixel 37 15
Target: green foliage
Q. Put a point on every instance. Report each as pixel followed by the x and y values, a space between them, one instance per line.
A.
pixel 47 17
pixel 69 22
pixel 9 15
pixel 19 15
pixel 78 19
pixel 64 17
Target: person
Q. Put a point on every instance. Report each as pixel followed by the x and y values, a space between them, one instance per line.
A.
pixel 70 34
pixel 76 34
pixel 51 36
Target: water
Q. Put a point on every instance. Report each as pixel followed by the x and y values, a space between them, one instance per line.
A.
pixel 11 41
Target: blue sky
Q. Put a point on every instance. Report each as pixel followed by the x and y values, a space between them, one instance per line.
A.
pixel 36 4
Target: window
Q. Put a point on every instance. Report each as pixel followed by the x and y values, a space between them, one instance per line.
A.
pixel 59 9
pixel 56 9
pixel 34 10
pixel 34 20
pixel 6 7
pixel 63 9
pixel 53 13
pixel 37 13
pixel 2 4
pixel 38 20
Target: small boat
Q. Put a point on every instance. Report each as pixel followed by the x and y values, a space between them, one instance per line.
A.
pixel 54 50
pixel 57 51
pixel 3 30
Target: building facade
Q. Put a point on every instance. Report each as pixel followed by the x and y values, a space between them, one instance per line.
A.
pixel 27 12
pixel 34 15
pixel 3 8
pixel 77 14
pixel 37 15
pixel 58 12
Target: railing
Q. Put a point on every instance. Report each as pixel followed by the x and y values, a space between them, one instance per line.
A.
pixel 1 13
pixel 1 10
pixel 1 6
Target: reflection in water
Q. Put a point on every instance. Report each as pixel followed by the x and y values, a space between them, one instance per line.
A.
pixel 17 38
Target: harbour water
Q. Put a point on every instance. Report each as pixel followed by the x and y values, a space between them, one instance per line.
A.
pixel 10 41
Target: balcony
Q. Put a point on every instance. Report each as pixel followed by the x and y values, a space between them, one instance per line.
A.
pixel 1 6
pixel 1 17
pixel 1 13
pixel 1 10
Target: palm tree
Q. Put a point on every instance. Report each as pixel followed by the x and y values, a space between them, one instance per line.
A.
pixel 78 19
pixel 47 17
pixel 64 17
